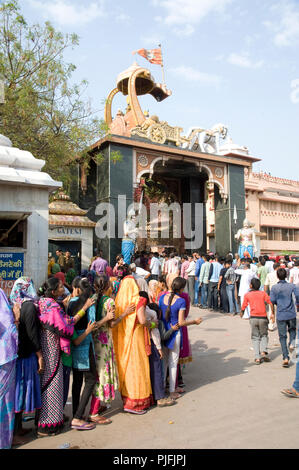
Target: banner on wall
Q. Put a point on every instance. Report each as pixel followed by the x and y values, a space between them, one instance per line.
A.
pixel 11 268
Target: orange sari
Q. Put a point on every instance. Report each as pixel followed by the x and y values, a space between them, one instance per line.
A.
pixel 131 346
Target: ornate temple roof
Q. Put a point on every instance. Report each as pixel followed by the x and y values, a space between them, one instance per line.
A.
pixel 62 211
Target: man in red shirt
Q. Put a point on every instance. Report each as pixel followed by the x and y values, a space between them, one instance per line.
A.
pixel 257 300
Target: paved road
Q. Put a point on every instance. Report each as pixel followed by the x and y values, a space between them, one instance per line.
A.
pixel 230 403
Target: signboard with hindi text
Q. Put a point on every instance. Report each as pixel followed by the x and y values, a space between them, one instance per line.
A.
pixel 11 268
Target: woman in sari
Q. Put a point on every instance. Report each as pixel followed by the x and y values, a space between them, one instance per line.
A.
pixel 30 362
pixel 132 349
pixel 107 383
pixel 57 329
pixel 8 357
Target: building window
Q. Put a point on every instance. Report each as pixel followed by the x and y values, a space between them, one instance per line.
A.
pixel 281 234
pixel 285 234
pixel 277 234
pixel 13 233
pixel 291 208
pixel 291 235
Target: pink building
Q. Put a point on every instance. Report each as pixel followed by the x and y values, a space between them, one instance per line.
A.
pixel 272 204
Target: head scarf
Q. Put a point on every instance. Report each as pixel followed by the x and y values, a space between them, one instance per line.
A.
pixel 70 276
pixel 153 290
pixel 91 275
pixel 142 284
pixel 23 289
pixel 109 271
pixel 8 332
pixel 60 276
pixel 54 319
pixel 55 268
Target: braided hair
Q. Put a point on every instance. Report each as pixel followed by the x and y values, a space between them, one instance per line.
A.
pixel 177 284
pixel 101 283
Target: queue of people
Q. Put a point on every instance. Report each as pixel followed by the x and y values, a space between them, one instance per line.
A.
pixel 113 334
pixel 125 330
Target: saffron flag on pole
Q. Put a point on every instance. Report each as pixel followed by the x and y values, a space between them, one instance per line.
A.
pixel 154 56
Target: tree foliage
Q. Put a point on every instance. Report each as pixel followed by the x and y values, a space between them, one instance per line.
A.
pixel 43 112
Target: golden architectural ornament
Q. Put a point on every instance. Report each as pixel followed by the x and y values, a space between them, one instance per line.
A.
pixel 159 132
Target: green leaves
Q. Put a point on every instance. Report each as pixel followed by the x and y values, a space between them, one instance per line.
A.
pixel 43 113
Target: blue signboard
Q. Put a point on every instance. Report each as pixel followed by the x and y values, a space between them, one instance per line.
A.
pixel 11 266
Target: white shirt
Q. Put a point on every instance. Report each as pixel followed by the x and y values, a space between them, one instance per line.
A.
pixel 294 275
pixel 141 272
pixel 246 276
pixel 253 268
pixel 191 269
pixel 271 280
pixel 269 265
pixel 172 266
pixel 155 266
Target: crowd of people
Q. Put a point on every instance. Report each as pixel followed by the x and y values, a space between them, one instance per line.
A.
pixel 126 329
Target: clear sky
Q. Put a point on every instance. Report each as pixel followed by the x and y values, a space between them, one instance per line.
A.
pixel 226 61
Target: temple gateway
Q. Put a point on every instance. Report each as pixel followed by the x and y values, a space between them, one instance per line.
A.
pixel 158 164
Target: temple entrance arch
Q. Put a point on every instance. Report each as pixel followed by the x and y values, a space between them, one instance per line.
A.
pixel 177 181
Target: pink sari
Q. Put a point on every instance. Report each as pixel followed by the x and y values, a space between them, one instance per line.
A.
pixel 185 352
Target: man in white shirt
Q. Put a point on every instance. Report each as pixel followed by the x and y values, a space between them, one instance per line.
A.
pixel 294 274
pixel 246 276
pixel 271 280
pixel 155 266
pixel 190 271
pixel 173 265
pixel 139 272
pixel 269 264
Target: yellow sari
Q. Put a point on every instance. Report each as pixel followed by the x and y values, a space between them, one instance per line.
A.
pixel 130 338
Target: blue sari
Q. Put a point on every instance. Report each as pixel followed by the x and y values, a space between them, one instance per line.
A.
pixel 8 358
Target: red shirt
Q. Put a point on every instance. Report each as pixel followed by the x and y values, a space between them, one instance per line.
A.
pixel 256 300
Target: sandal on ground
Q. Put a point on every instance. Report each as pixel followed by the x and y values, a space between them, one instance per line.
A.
pixel 83 427
pixel 285 363
pixel 142 412
pixel 290 392
pixel 179 390
pixel 44 434
pixel 166 402
pixel 265 357
pixel 99 420
pixel 257 361
pixel 175 396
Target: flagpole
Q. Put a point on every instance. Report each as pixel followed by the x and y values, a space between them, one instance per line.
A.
pixel 162 65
